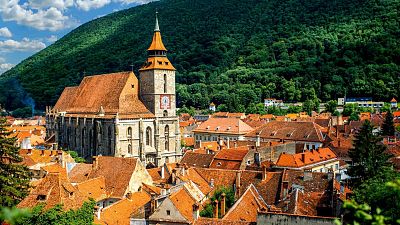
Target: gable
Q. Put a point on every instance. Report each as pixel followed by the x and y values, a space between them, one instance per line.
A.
pixel 161 214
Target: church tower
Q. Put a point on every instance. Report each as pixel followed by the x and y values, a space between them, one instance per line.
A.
pixel 157 79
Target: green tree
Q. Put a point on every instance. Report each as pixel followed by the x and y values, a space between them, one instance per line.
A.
pixel 229 198
pixel 76 157
pixel 385 206
pixel 308 106
pixel 331 106
pixel 58 216
pixel 368 155
pixel 14 178
pixel 388 125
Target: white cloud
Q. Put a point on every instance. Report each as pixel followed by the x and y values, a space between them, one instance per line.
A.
pixel 87 5
pixel 43 4
pixel 52 38
pixel 4 66
pixel 26 45
pixel 5 32
pixel 42 19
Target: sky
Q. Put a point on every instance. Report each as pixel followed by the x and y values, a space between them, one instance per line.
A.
pixel 28 26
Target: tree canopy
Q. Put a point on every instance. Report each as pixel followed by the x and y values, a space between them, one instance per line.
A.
pixel 291 50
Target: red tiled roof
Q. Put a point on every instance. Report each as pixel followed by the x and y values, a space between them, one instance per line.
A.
pixel 94 188
pixel 80 172
pixel 184 203
pixel 247 206
pixel 116 171
pixel 296 131
pixel 54 189
pixel 224 125
pixel 306 158
pixel 112 92
pixel 193 159
pixel 189 141
pixel 121 211
pixel 229 158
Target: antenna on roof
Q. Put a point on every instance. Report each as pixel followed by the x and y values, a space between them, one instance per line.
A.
pixel 156 28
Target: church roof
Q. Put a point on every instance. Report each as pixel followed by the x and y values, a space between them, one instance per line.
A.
pixel 156 43
pixel 112 93
pixel 161 63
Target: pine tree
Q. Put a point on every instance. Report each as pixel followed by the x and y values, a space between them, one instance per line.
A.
pixel 388 125
pixel 368 155
pixel 14 178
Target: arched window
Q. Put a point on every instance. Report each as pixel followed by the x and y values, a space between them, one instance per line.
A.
pixel 165 83
pixel 148 136
pixel 165 113
pixel 166 135
pixel 130 149
pixel 129 134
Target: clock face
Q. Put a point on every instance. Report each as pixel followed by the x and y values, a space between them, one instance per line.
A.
pixel 165 102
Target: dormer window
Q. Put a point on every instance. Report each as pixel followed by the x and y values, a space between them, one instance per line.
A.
pixel 228 128
pixel 41 197
pixel 273 133
pixel 217 128
pixel 159 62
pixel 166 63
pixel 208 127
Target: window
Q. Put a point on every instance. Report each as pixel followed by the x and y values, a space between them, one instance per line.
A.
pixel 110 137
pixel 168 212
pixel 148 136
pixel 336 166
pixel 41 197
pixel 130 149
pixel 129 132
pixel 166 134
pixel 165 113
pixel 165 83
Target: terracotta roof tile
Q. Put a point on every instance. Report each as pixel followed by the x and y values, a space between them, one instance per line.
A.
pixel 184 203
pixel 121 211
pixel 296 131
pixel 224 125
pixel 189 141
pixel 247 206
pixel 114 92
pixel 116 171
pixel 80 172
pixel 214 221
pixel 229 158
pixel 193 159
pixel 306 158
pixel 94 188
pixel 54 189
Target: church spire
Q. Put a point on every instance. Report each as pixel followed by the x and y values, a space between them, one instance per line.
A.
pixel 157 27
pixel 157 47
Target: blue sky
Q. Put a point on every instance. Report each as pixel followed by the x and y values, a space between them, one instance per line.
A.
pixel 27 26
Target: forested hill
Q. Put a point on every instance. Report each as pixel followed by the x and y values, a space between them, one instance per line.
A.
pixel 231 52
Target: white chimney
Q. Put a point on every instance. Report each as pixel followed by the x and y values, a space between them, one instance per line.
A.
pixel 162 172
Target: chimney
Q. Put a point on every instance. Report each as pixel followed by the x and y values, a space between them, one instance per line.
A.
pixel 237 183
pixel 264 173
pixel 196 212
pixel 162 172
pixel 153 203
pixel 307 175
pixel 212 183
pixel 337 131
pixel 42 152
pixel 223 204
pixel 95 162
pixel 163 192
pixel 257 158
pixel 227 143
pixel 98 210
pixel 173 177
pixel 215 203
pixel 303 157
pixel 258 140
pixel 330 174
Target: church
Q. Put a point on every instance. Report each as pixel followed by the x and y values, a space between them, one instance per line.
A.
pixel 118 115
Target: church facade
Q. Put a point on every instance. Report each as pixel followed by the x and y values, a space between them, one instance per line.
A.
pixel 118 115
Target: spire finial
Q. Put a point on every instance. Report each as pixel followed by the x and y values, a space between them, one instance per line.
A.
pixel 156 28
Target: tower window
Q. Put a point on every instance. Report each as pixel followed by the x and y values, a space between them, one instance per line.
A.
pixel 165 113
pixel 148 136
pixel 165 83
pixel 129 132
pixel 166 134
pixel 130 149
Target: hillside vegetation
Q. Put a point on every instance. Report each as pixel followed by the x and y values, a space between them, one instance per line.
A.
pixel 231 52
